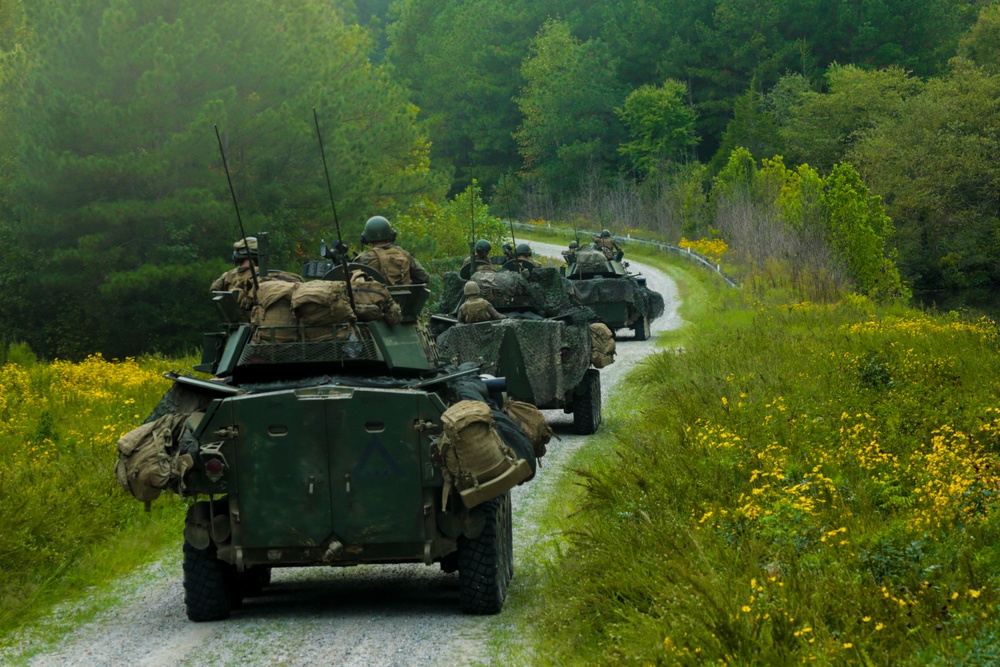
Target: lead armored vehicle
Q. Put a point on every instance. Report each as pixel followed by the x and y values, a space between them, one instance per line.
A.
pixel 313 442
pixel 620 299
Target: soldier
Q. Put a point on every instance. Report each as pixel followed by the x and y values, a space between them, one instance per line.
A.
pixel 570 255
pixel 508 252
pixel 244 253
pixel 483 262
pixel 524 255
pixel 476 308
pixel 607 245
pixel 397 265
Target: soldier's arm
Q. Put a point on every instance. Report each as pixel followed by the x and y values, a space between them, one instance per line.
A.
pixel 494 313
pixel 418 275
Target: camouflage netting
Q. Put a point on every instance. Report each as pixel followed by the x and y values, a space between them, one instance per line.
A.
pixel 543 291
pixel 604 290
pixel 550 374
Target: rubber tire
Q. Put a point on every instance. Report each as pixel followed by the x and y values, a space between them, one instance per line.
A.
pixel 485 562
pixel 208 585
pixel 587 403
pixel 642 329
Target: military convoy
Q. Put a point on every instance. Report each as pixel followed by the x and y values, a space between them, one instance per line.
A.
pixel 332 428
pixel 332 442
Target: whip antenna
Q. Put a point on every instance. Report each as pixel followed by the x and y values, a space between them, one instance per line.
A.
pixel 225 165
pixel 341 250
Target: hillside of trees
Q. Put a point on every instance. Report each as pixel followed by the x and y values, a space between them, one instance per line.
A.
pixel 115 211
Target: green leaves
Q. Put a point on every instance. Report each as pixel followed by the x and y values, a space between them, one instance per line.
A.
pixel 661 125
pixel 117 163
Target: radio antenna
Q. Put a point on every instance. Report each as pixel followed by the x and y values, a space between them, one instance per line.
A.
pixel 225 165
pixel 341 250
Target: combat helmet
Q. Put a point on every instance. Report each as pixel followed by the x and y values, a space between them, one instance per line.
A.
pixel 482 245
pixel 377 229
pixel 523 249
pixel 605 234
pixel 245 249
pixel 471 288
pixel 573 245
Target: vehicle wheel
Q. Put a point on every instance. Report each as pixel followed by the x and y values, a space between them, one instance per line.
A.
pixel 641 328
pixel 208 584
pixel 485 562
pixel 587 403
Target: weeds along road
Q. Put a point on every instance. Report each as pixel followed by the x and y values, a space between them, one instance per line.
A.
pixel 364 616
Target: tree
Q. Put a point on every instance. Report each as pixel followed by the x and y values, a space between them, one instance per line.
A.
pixel 567 103
pixel 118 167
pixel 661 125
pixel 934 165
pixel 820 128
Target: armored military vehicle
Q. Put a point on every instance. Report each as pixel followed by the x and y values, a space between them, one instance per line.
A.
pixel 546 348
pixel 620 299
pixel 331 444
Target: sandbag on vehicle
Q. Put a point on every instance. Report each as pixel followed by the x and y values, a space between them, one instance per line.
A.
pixel 274 309
pixel 477 461
pixel 602 345
pixel 532 422
pixel 321 304
pixel 155 456
pixel 372 300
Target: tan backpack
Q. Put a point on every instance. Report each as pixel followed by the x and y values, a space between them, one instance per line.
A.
pixel 602 345
pixel 274 309
pixel 149 458
pixel 532 422
pixel 394 264
pixel 477 461
pixel 372 301
pixel 321 304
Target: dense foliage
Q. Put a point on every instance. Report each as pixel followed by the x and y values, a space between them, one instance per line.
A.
pixel 114 205
pixel 59 423
pixel 118 209
pixel 800 483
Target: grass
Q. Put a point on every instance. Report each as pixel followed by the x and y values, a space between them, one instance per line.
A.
pixel 67 526
pixel 802 483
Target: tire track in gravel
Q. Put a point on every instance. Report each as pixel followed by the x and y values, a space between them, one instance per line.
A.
pixel 365 616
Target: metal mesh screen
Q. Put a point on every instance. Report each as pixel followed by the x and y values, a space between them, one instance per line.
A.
pixel 349 343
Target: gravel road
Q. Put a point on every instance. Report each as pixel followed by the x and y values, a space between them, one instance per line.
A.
pixel 366 615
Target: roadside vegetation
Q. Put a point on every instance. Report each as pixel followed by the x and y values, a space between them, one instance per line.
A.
pixel 66 523
pixel 802 480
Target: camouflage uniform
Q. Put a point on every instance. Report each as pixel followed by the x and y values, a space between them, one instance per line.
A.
pixel 477 309
pixel 608 246
pixel 411 267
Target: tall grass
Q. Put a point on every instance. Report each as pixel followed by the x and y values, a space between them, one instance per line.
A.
pixel 62 515
pixel 802 483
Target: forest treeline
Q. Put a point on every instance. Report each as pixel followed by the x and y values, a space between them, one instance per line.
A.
pixel 115 211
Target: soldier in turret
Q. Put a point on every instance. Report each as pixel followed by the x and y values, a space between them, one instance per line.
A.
pixel 244 254
pixel 397 265
pixel 476 308
pixel 483 262
pixel 524 255
pixel 608 245
pixel 570 255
